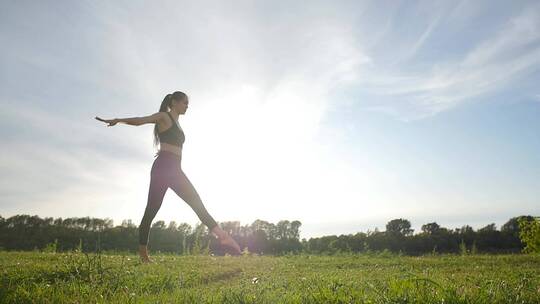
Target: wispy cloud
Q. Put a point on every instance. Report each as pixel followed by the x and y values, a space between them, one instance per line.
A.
pixel 489 66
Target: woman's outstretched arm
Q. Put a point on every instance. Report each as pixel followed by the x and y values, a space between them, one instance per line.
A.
pixel 134 121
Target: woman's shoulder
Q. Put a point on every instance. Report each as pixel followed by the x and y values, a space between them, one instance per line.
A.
pixel 163 121
pixel 162 116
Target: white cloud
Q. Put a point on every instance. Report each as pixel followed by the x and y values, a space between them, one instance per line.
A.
pixel 490 66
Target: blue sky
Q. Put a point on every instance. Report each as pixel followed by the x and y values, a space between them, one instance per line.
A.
pixel 343 115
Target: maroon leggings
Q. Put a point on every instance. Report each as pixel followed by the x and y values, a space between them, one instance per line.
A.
pixel 167 172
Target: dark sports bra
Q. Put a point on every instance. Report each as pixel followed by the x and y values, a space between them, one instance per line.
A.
pixel 173 135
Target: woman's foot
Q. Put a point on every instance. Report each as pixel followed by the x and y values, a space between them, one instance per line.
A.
pixel 231 244
pixel 226 240
pixel 143 253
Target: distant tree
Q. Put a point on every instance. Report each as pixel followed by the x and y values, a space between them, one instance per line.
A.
pixel 399 227
pixel 25 232
pixel 512 226
pixel 431 228
pixel 295 229
pixel 184 228
pixel 58 222
pixel 488 228
pixel 129 224
pixel 172 226
pixel 341 244
pixel 259 240
pixel 465 230
pixel 159 225
pixel 282 229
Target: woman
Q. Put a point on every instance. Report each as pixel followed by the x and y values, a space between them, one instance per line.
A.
pixel 167 172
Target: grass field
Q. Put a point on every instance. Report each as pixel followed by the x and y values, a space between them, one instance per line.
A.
pixel 34 277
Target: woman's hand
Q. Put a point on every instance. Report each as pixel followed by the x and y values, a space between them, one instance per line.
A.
pixel 111 122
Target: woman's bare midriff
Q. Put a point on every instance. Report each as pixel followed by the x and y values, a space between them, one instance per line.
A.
pixel 171 148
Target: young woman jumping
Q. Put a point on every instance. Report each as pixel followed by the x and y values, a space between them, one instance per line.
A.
pixel 167 172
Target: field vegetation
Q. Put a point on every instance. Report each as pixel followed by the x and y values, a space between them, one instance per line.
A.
pixel 77 277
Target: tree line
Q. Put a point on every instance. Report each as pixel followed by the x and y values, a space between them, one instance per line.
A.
pixel 25 232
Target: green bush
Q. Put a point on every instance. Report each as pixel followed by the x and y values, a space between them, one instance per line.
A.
pixel 51 247
pixel 530 234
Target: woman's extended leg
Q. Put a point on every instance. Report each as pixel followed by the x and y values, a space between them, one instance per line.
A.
pixel 157 189
pixel 183 187
pixel 185 190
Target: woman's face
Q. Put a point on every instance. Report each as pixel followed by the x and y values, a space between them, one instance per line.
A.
pixel 181 105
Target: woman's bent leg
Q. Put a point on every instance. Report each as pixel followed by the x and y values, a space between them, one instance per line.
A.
pixel 185 190
pixel 156 192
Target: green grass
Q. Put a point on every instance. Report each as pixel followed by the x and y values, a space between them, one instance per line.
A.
pixel 34 277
